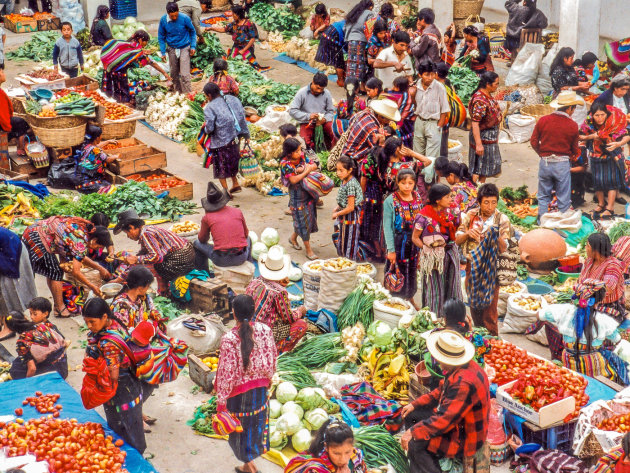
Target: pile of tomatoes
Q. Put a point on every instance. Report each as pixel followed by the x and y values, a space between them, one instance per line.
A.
pixel 113 110
pixel 165 184
pixel 509 361
pixel 67 445
pixel 44 403
pixel 618 423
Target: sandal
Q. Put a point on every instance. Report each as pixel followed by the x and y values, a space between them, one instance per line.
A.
pixel 596 212
pixel 59 312
pixel 611 215
pixel 312 257
pixel 149 420
pixel 235 190
pixel 294 244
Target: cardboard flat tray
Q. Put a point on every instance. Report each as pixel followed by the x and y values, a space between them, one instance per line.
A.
pixel 182 192
pixel 25 26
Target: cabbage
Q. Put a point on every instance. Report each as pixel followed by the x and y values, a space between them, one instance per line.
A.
pixel 293 407
pixel 140 26
pixel 380 333
pixel 301 440
pixel 258 249
pixel 288 423
pixel 315 418
pixel 275 408
pixel 130 20
pixel 295 274
pixel 270 237
pixel 309 399
pixel 277 439
pixel 253 237
pixel 120 36
pixel 285 392
pixel 117 29
pixel 321 392
pixel 129 31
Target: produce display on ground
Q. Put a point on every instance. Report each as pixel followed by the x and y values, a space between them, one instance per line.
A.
pixel 464 80
pixel 18 208
pixel 38 48
pixel 272 18
pixel 166 112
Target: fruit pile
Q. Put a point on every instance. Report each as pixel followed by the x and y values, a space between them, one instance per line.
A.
pixel 165 184
pixel 117 145
pixel 211 362
pixel 509 361
pixel 618 423
pixel 67 445
pixel 44 403
pixel 113 110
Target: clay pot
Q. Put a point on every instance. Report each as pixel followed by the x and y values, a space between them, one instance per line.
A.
pixel 541 247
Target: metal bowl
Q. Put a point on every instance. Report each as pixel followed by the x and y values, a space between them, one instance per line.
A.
pixel 111 289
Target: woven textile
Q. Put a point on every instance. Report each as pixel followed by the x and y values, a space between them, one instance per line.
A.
pixel 370 408
pixel 483 270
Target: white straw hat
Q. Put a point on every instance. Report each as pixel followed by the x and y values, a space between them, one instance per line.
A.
pixel 566 98
pixel 450 348
pixel 386 108
pixel 274 265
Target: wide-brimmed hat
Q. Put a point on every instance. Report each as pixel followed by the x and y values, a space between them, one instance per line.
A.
pixel 566 98
pixel 274 265
pixel 216 198
pixel 450 348
pixel 386 108
pixel 129 216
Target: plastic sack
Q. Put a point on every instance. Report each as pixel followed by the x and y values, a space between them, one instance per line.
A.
pixel 580 114
pixel 496 431
pixel 61 175
pixel 544 80
pixel 505 137
pixel 622 350
pixel 570 221
pixel 72 12
pixel 332 383
pixel 310 282
pixel 198 341
pixel 524 70
pixel 538 337
pixel 335 285
pixel 274 119
pixel 517 318
pixel 521 127
pixel 591 416
pixel 307 32
pixel 455 153
pixel 504 296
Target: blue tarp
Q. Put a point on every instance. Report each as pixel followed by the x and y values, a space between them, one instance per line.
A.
pixel 12 394
pixel 301 64
pixel 38 190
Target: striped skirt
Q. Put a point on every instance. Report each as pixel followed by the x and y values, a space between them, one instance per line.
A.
pixel 330 49
pixel 372 236
pixel 591 364
pixel 346 236
pixel 42 261
pixel 439 286
pixel 608 172
pixel 356 65
pixel 490 163
pixel 252 411
pixel 303 211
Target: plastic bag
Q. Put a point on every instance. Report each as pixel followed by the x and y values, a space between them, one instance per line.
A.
pixel 524 70
pixel 544 80
pixel 72 12
pixel 311 282
pixel 61 175
pixel 198 341
pixel 521 127
pixel 274 119
pixel 580 114
pixel 335 285
pixel 496 431
pixel 518 318
pixel 570 221
pixel 307 32
pixel 504 296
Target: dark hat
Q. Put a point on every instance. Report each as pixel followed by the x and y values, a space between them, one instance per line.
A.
pixel 129 216
pixel 216 198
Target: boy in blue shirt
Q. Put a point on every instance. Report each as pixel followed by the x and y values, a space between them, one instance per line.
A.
pixel 67 52
pixel 178 38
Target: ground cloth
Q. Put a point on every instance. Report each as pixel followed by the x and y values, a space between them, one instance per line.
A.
pixel 302 65
pixel 12 393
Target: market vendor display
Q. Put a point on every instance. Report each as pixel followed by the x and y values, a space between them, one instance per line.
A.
pixel 452 420
pixel 272 305
pixel 69 238
pixel 170 255
pixel 92 162
pixel 118 57
pixel 584 330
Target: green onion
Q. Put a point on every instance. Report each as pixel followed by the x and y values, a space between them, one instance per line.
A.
pixel 317 351
pixel 294 372
pixel 357 307
pixel 380 448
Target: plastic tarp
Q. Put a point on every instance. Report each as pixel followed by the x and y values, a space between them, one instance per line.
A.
pixel 13 392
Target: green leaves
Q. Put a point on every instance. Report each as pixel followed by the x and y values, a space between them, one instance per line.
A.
pixel 465 82
pixel 276 19
pixel 207 51
pixel 38 48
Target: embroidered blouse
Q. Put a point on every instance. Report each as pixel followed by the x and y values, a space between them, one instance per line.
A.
pixel 93 159
pixel 226 83
pixel 563 76
pixel 369 169
pixel 306 463
pixel 114 356
pixel 611 272
pixel 67 236
pixel 232 378
pixel 484 110
pixel 342 108
pixel 241 34
pixel 271 302
pixel 351 188
pixel 289 168
pixel 157 243
pixel 131 313
pixel 464 197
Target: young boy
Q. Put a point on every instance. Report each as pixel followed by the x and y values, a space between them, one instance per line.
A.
pixel 39 309
pixel 67 52
pixel 394 61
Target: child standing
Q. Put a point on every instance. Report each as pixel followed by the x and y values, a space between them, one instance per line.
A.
pixel 348 211
pixel 67 52
pixel 294 168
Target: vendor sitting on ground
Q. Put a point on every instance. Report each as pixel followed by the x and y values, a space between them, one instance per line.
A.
pixel 616 460
pixel 452 420
pixel 521 15
pixel 313 106
pixel 16 127
pixel 170 255
pixel 220 76
pixel 272 300
pixel 584 330
pixel 226 225
pixel 92 162
pixel 118 56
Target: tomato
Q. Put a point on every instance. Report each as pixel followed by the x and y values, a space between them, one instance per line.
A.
pixel 19 411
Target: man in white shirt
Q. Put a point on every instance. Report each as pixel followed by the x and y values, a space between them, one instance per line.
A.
pixel 394 61
pixel 432 111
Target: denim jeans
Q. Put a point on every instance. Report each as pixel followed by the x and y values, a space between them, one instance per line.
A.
pixel 203 251
pixel 554 176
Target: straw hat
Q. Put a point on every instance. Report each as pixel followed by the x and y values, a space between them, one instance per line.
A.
pixel 566 98
pixel 386 108
pixel 274 265
pixel 450 348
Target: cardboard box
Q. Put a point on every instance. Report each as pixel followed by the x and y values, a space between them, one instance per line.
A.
pixel 82 82
pixel 49 25
pixel 200 373
pixel 546 416
pixel 24 26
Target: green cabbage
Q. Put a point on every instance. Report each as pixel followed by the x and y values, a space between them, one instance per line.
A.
pixel 288 423
pixel 270 237
pixel 258 249
pixel 253 237
pixel 380 333
pixel 301 440
pixel 286 392
pixel 130 20
pixel 314 419
pixel 309 399
pixel 294 407
pixel 277 439
pixel 275 408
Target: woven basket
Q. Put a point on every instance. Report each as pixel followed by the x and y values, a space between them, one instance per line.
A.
pixel 55 123
pixel 118 131
pixel 60 137
pixel 462 9
pixel 537 111
pixel 591 447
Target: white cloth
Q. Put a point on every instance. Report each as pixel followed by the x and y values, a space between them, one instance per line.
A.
pixel 432 101
pixel 620 103
pixel 388 74
pixel 563 317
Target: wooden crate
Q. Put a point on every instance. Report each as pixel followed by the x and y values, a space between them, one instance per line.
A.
pixel 200 373
pixel 49 25
pixel 23 165
pixel 208 296
pixel 25 26
pixel 182 192
pixel 82 82
pixel 13 175
pixel 137 158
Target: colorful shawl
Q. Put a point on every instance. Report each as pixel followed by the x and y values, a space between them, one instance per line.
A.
pixel 118 55
pixel 370 408
pixel 613 129
pixel 445 219
pixel 306 463
pixel 483 270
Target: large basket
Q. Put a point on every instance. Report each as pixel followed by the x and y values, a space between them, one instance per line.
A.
pixel 55 123
pixel 118 131
pixel 60 137
pixel 462 9
pixel 537 111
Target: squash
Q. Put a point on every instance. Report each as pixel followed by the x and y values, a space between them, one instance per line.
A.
pixel 253 118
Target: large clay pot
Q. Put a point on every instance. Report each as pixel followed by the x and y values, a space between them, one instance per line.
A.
pixel 540 247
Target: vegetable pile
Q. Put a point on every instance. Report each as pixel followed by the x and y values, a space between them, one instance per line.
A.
pixel 113 110
pixel 618 423
pixel 38 48
pixel 44 403
pixel 380 448
pixel 207 51
pixel 359 305
pixel 17 208
pixel 315 351
pixel 166 111
pixel 276 19
pixel 127 29
pixel 48 74
pixel 388 373
pixel 409 337
pixel 619 230
pixel 464 80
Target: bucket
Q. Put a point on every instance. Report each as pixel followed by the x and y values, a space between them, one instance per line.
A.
pixel 562 276
pixel 539 288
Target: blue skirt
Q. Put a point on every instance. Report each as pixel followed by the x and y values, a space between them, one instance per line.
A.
pixel 252 411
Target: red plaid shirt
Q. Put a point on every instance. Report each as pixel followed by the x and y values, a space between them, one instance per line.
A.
pixel 363 126
pixel 459 425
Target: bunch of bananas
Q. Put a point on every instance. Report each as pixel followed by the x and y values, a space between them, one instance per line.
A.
pixel 388 374
pixel 18 205
pixel 181 284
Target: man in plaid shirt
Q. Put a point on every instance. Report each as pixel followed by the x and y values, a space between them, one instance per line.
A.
pixel 365 130
pixel 452 420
